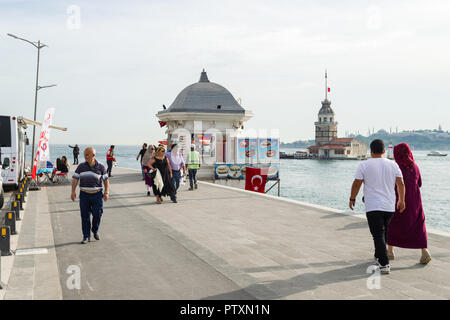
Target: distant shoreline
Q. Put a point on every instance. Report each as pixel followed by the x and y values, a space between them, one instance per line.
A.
pixel 420 140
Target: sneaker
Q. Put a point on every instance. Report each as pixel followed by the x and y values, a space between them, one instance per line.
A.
pixel 148 193
pixel 85 240
pixel 385 269
pixel 190 188
pixel 195 186
pixel 174 201
pixel 96 236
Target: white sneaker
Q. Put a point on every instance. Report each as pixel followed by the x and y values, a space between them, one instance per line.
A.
pixel 385 269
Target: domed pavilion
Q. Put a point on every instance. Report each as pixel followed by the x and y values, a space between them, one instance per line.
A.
pixel 207 115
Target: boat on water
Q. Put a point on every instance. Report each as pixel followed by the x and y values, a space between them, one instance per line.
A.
pixel 436 154
pixel 301 154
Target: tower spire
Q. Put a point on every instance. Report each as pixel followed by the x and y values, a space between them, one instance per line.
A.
pixel 326 85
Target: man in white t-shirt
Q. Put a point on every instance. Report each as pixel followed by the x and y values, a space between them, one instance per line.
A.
pixel 380 176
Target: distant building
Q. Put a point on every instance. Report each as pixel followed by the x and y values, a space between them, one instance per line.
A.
pixel 328 145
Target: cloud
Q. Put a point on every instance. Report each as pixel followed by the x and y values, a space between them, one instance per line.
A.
pixel 129 58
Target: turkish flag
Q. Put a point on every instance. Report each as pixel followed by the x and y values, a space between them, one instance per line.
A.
pixel 255 179
pixel 329 89
pixel 162 123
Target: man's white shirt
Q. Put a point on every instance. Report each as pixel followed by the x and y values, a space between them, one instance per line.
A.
pixel 379 175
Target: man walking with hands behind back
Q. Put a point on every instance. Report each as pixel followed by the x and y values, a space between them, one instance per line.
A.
pixel 193 166
pixel 380 176
pixel 90 174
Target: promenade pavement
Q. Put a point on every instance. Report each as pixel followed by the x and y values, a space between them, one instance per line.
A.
pixel 215 243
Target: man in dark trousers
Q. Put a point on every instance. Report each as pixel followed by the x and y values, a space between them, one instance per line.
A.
pixel 110 159
pixel 193 165
pixel 380 176
pixel 90 174
pixel 76 152
pixel 141 155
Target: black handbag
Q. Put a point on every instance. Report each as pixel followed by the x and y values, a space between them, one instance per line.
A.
pixel 152 174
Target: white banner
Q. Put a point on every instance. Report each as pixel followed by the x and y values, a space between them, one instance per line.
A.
pixel 43 147
pixel 43 153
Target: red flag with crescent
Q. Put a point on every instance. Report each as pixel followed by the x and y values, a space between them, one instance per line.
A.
pixel 162 123
pixel 255 179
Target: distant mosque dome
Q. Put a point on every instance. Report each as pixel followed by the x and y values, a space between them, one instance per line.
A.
pixel 205 96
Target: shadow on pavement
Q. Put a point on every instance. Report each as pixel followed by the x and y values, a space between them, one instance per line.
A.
pixel 308 281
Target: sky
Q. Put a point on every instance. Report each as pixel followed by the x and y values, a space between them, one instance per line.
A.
pixel 116 63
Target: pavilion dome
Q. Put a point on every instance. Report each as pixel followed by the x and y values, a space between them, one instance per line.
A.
pixel 205 96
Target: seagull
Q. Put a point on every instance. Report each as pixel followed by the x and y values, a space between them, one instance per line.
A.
pixel 164 106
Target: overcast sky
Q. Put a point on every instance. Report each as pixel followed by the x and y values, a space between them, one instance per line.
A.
pixel 388 63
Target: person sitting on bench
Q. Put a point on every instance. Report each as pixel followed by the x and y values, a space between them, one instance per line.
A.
pixel 62 165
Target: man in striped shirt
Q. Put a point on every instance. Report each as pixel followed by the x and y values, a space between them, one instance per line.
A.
pixel 90 174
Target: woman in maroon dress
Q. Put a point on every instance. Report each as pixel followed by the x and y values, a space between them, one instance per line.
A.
pixel 407 229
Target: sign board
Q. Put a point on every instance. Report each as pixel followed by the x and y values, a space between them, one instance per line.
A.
pixel 184 145
pixel 268 150
pixel 237 170
pixel 247 150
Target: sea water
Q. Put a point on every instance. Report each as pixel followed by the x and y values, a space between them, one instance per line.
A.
pixel 328 183
pixel 322 182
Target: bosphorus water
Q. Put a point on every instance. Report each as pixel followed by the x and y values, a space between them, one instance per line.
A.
pixel 322 182
pixel 328 182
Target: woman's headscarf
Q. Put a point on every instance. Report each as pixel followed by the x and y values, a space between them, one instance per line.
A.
pixel 403 155
pixel 149 153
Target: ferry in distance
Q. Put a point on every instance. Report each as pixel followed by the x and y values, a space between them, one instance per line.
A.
pixel 390 154
pixel 436 154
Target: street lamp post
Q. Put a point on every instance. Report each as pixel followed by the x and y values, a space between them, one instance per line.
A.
pixel 39 46
pixel 35 98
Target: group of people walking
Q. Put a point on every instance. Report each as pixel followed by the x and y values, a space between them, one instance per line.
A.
pixel 163 170
pixel 393 202
pixel 392 196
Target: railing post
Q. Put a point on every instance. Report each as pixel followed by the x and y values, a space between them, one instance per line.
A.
pixel 22 191
pixel 2 286
pixel 10 221
pixel 16 209
pixel 5 241
pixel 19 200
